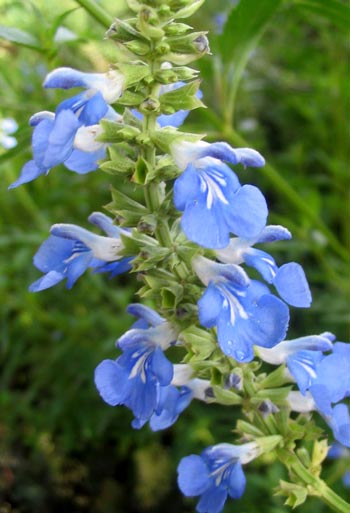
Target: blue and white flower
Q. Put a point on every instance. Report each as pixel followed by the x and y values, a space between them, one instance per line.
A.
pixel 216 474
pixel 175 398
pixel 137 377
pixel 289 279
pixel 243 310
pixel 70 250
pixel 69 135
pixel 8 126
pixel 323 376
pixel 209 194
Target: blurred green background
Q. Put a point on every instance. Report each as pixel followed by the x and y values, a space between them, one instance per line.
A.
pixel 277 82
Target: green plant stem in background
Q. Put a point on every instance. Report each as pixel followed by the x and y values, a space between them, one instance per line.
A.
pixel 96 12
pixel 318 487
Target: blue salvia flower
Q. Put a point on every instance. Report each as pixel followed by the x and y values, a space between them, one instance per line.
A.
pixel 175 398
pixel 216 474
pixel 243 310
pixel 69 135
pixel 289 279
pixel 70 250
pixel 136 378
pixel 325 377
pixel 8 126
pixel 209 194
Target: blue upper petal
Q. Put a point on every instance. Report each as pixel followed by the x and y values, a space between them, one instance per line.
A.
pixel 66 78
pixel 105 223
pixel 223 151
pixel 292 285
pixel 273 233
pixel 146 313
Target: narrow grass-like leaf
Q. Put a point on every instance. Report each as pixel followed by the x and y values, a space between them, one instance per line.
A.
pixel 20 37
pixel 335 11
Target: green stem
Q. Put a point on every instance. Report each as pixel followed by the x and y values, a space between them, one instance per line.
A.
pixel 96 12
pixel 318 487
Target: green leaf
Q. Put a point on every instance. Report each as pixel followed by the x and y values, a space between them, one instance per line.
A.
pixel 242 32
pixel 244 28
pixel 336 12
pixel 20 37
pixel 182 98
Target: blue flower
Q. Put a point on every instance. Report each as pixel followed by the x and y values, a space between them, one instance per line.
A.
pixel 175 398
pixel 289 279
pixel 325 377
pixel 69 135
pixel 244 310
pixel 109 85
pixel 171 402
pixel 70 250
pixel 7 127
pixel 215 474
pixel 209 194
pixel 135 378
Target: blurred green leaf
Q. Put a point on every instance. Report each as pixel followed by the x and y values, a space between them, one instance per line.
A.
pixel 244 28
pixel 336 12
pixel 20 37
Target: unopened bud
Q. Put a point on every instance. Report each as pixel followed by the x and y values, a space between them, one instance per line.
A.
pixel 149 105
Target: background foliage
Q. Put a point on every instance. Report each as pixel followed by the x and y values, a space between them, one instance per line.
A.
pixel 277 80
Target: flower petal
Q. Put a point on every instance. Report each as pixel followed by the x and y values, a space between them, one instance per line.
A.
pixel 291 284
pixel 193 476
pixel 30 171
pixel 111 381
pixel 45 282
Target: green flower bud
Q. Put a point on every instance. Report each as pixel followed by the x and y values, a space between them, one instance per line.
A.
pixel 137 47
pixel 165 137
pixel 162 48
pixel 149 105
pixel 177 29
pixel 190 43
pixel 122 31
pixel 190 8
pixel 147 23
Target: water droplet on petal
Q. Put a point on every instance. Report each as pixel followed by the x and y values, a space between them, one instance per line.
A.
pixel 240 356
